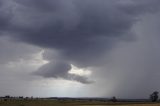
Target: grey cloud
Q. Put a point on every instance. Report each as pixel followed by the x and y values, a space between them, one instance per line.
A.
pixel 16 62
pixel 82 32
pixel 139 6
pixel 54 69
pixel 12 51
pixel 78 29
pixel 5 17
pixel 81 79
pixel 133 67
pixel 60 70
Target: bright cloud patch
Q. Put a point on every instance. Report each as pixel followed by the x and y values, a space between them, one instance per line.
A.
pixel 79 71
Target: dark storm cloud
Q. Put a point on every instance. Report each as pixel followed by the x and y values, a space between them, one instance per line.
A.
pixel 5 17
pixel 81 31
pixel 60 70
pixel 54 69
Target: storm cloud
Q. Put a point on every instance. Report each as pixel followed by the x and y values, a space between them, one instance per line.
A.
pixel 60 70
pixel 87 34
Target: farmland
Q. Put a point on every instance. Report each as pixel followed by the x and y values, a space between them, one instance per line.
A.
pixel 70 102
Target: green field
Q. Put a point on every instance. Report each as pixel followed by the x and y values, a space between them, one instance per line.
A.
pixel 69 103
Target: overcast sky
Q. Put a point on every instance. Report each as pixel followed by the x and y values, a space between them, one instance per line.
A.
pixel 80 48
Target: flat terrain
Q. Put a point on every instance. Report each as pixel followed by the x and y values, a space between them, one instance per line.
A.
pixel 70 103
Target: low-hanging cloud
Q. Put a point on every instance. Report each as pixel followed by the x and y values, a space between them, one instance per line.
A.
pixel 60 70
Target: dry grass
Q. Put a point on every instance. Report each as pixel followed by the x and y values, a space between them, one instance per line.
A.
pixel 68 103
pixel 127 105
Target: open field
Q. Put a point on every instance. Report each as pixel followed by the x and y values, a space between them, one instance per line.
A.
pixel 70 103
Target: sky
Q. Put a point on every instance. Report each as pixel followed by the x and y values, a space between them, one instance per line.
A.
pixel 79 48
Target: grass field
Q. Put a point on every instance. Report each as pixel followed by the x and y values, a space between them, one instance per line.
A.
pixel 69 103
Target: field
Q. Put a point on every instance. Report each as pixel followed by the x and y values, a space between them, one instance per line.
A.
pixel 46 102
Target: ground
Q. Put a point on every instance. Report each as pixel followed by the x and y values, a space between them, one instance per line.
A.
pixel 46 102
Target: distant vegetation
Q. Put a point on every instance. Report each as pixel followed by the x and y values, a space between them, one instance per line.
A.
pixel 54 101
pixel 154 96
pixel 71 102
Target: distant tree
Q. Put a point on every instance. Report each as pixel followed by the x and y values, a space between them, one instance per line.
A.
pixel 154 96
pixel 7 96
pixel 114 99
pixel 20 97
